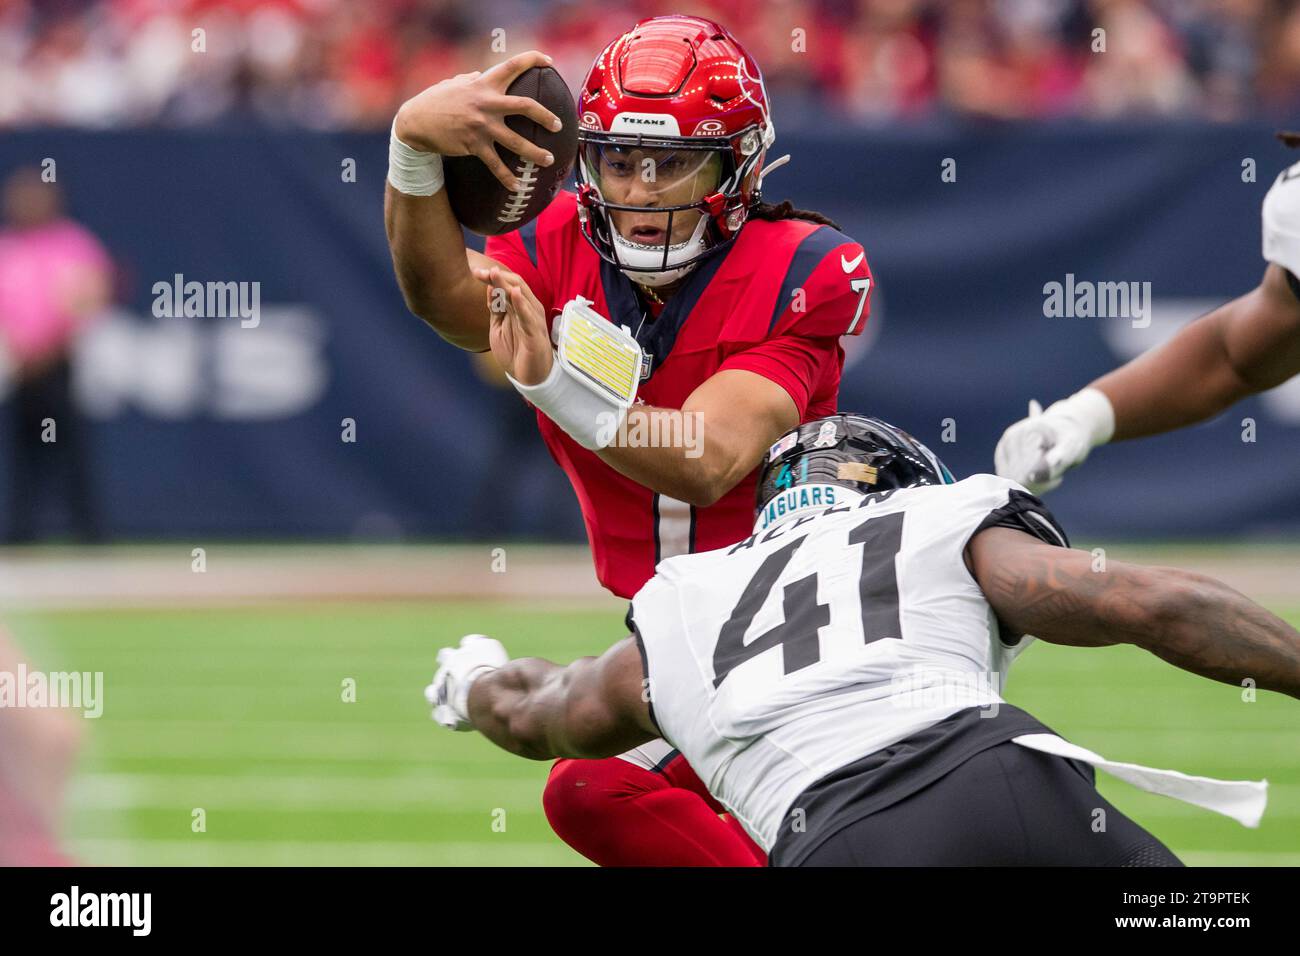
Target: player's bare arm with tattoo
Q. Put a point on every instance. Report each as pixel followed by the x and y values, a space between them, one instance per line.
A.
pixel 1192 621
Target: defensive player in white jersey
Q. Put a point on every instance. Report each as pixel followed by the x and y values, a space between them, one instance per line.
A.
pixel 835 678
pixel 1247 346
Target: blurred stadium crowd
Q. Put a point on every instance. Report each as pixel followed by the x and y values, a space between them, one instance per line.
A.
pixel 347 64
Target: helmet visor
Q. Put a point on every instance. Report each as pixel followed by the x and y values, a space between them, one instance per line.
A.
pixel 651 193
pixel 633 175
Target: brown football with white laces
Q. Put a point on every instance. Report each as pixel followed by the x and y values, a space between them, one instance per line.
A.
pixel 479 201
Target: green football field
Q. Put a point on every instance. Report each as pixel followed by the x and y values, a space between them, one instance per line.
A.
pixel 240 713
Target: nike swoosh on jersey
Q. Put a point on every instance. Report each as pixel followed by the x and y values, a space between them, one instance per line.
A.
pixel 850 265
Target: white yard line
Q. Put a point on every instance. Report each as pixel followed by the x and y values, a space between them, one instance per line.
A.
pixel 238 574
pixel 163 575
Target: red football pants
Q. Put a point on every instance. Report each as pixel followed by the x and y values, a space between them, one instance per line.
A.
pixel 618 814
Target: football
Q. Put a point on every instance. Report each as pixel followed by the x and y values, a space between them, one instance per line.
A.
pixel 478 199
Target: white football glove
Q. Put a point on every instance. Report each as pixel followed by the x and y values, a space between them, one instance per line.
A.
pixel 1038 450
pixel 458 668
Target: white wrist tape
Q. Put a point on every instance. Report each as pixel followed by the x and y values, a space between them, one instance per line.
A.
pixel 460 700
pixel 412 171
pixel 593 378
pixel 1092 411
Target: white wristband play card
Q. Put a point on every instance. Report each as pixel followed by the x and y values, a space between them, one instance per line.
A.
pixel 599 354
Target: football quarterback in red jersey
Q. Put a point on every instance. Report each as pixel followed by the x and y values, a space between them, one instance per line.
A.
pixel 737 306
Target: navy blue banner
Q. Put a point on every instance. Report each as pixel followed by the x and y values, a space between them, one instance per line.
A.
pixel 334 412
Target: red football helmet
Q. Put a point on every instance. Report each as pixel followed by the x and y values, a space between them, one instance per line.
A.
pixel 674 122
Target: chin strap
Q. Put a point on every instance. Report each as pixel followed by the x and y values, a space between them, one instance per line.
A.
pixel 775 164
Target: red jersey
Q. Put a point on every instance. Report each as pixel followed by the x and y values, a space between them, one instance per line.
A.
pixel 774 302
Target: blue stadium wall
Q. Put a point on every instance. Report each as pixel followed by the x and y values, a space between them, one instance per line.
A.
pixel 201 426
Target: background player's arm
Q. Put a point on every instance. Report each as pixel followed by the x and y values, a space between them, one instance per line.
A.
pixel 1192 621
pixel 461 116
pixel 1249 345
pixel 594 707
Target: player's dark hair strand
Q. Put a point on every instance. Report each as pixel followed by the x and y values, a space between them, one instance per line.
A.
pixel 775 212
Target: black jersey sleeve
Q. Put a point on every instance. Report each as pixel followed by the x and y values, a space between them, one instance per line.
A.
pixel 645 667
pixel 1025 512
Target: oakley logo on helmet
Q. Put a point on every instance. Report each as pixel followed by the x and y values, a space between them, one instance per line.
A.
pixel 590 120
pixel 710 128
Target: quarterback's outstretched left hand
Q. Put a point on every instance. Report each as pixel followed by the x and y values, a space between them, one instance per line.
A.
pixel 458 668
pixel 517 332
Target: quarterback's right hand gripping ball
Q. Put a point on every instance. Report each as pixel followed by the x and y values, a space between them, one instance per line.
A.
pixel 479 201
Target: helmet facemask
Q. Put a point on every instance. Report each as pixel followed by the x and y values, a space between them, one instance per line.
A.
pixel 656 206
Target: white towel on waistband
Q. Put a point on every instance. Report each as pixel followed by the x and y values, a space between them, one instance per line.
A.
pixel 1243 800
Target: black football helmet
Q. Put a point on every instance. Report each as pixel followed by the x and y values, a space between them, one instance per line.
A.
pixel 849 451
